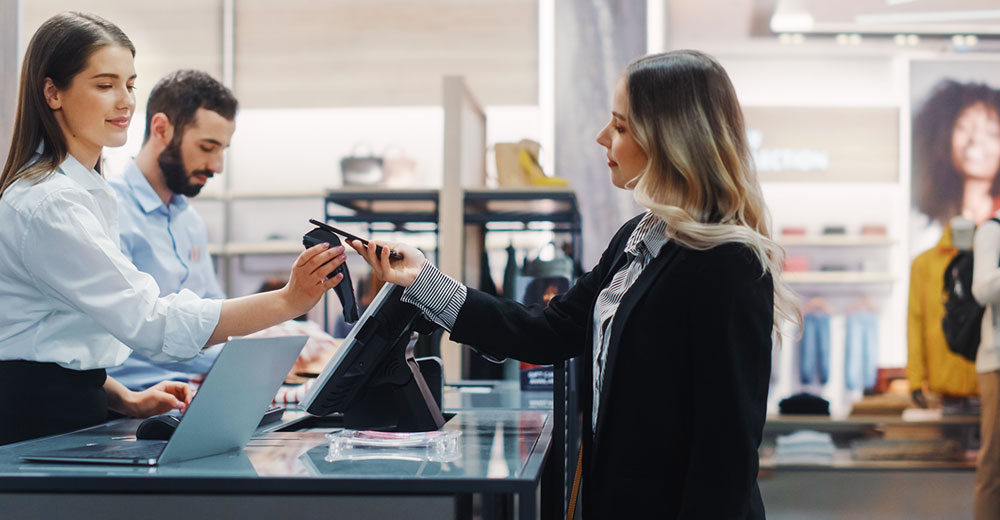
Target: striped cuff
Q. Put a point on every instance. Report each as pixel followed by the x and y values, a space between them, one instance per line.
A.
pixel 437 294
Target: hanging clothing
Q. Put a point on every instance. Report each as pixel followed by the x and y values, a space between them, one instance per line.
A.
pixel 485 278
pixel 510 272
pixel 814 348
pixel 861 351
pixel 930 359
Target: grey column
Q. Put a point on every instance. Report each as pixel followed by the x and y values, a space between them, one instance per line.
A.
pixel 594 40
pixel 10 22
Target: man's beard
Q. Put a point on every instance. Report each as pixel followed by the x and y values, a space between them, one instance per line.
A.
pixel 175 174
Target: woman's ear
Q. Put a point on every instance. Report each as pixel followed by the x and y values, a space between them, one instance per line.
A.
pixel 52 95
pixel 161 128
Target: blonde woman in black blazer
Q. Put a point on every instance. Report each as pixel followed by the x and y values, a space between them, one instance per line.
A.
pixel 674 323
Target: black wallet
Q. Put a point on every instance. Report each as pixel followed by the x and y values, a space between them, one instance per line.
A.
pixel 344 290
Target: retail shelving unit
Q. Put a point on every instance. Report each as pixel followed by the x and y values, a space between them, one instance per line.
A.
pixel 836 241
pixel 866 426
pixel 838 277
pixel 845 487
pixel 229 250
pixel 847 273
pixel 457 218
pixel 515 210
pixel 381 210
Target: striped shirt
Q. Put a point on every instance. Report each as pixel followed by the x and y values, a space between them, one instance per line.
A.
pixel 440 297
pixel 645 243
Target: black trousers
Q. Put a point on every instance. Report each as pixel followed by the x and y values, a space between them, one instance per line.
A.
pixel 39 399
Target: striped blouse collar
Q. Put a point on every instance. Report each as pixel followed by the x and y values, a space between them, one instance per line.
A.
pixel 649 237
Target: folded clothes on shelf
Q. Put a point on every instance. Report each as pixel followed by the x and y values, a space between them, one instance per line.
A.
pixel 881 404
pixel 804 447
pixel 804 404
pixel 796 263
pixel 793 230
pixel 840 267
pixel 835 230
pixel 873 229
pixel 960 406
pixel 907 449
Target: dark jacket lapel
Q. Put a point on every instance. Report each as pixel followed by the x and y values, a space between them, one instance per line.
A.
pixel 628 303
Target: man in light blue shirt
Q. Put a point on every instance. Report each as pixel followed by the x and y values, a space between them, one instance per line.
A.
pixel 190 120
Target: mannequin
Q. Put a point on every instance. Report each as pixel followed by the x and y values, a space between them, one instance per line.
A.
pixel 931 364
pixel 962 232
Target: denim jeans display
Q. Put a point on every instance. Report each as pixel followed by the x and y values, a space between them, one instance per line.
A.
pixel 814 349
pixel 861 350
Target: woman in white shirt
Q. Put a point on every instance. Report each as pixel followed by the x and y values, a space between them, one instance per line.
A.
pixel 72 304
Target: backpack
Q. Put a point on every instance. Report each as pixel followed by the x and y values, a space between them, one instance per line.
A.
pixel 963 316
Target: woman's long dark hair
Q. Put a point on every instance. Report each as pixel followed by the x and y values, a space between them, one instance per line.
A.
pixel 59 50
pixel 937 184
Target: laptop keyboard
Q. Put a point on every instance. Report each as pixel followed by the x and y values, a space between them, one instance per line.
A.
pixel 125 450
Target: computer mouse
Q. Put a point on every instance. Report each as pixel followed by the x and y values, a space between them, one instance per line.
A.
pixel 157 427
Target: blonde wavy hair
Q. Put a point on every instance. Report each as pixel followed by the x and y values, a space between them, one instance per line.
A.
pixel 700 178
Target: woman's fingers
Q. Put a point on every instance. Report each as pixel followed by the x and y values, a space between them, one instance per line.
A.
pixel 357 246
pixel 368 253
pixel 317 267
pixel 180 392
pixel 309 254
pixel 384 260
pixel 381 268
pixel 326 264
pixel 333 281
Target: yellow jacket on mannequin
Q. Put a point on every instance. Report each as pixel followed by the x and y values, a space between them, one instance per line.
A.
pixel 930 360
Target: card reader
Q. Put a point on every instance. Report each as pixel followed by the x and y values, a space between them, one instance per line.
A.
pixel 345 289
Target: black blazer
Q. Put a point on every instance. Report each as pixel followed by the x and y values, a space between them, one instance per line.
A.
pixel 685 389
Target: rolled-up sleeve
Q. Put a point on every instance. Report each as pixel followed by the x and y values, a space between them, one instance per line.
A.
pixel 71 257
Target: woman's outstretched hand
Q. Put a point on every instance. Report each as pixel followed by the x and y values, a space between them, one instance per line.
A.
pixel 400 272
pixel 307 282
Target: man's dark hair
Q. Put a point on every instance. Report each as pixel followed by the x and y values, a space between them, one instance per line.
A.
pixel 180 94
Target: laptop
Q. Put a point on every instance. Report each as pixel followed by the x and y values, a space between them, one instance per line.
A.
pixel 222 416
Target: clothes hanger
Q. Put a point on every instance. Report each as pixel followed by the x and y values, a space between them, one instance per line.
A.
pixel 817 304
pixel 862 304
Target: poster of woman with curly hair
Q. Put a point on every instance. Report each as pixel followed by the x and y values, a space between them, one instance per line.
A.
pixel 955 146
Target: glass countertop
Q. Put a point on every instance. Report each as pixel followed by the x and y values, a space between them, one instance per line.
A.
pixel 502 446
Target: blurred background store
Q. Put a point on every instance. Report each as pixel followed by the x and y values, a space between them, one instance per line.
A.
pixel 436 93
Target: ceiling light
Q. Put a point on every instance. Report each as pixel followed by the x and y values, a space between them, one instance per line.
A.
pixel 971 40
pixel 785 38
pixel 798 38
pixel 958 40
pixel 900 39
pixel 854 39
pixel 913 39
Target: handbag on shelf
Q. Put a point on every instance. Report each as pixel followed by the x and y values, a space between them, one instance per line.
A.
pixel 399 169
pixel 361 170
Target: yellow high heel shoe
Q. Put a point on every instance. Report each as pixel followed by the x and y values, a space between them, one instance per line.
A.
pixel 527 159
